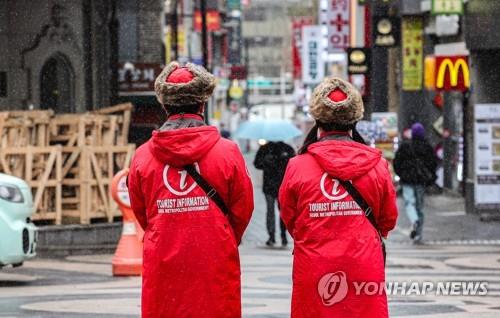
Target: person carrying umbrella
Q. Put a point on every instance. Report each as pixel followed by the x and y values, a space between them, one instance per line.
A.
pixel 338 202
pixel 272 158
pixel 191 192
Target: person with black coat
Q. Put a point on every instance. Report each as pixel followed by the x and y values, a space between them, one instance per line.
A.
pixel 415 164
pixel 273 158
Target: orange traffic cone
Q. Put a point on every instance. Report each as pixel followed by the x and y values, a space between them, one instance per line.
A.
pixel 127 260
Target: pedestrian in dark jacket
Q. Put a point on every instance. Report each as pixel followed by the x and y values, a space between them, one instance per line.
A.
pixel 273 158
pixel 415 164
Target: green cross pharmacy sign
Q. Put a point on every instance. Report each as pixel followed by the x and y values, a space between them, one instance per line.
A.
pixel 447 7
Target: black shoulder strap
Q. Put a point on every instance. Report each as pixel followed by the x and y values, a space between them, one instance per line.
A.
pixel 367 209
pixel 209 190
pixel 361 202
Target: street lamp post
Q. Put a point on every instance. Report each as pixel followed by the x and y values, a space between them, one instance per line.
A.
pixel 204 33
pixel 175 37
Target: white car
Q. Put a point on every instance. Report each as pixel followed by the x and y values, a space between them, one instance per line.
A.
pixel 18 235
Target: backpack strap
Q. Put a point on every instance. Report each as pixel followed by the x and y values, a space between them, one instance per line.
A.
pixel 368 211
pixel 209 190
pixel 361 202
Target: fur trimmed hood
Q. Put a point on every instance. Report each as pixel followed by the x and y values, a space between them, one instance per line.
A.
pixel 196 91
pixel 344 112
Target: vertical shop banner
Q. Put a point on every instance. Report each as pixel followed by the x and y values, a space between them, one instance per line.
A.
pixel 337 18
pixel 487 156
pixel 313 69
pixel 413 47
pixel 447 7
pixel 213 20
pixel 297 25
pixel 234 41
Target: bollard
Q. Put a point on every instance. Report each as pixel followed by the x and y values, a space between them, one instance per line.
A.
pixel 127 260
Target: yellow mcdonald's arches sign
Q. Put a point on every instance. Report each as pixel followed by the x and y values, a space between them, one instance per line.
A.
pixel 452 73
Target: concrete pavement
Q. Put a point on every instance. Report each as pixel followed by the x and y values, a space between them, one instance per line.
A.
pixel 82 286
pixel 458 248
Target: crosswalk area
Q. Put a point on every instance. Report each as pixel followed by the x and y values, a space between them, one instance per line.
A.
pixel 82 286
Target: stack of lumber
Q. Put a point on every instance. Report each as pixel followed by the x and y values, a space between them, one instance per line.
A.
pixel 68 160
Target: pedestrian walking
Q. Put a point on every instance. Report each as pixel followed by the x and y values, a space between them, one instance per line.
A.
pixel 272 158
pixel 338 201
pixel 224 132
pixel 415 164
pixel 191 192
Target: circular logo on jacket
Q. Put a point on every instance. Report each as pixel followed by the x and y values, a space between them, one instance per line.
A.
pixel 332 288
pixel 177 181
pixel 335 192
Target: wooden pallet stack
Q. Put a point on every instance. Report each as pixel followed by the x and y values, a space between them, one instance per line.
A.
pixel 68 160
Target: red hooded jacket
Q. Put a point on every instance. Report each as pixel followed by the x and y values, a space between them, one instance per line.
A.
pixel 335 245
pixel 191 263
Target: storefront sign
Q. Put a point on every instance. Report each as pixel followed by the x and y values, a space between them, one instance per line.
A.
pixel 213 20
pixel 235 92
pixel 412 28
pixel 138 77
pixel 447 7
pixel 234 39
pixel 358 60
pixel 387 31
pixel 297 25
pixel 234 4
pixel 338 15
pixel 313 69
pixel 487 156
pixel 452 73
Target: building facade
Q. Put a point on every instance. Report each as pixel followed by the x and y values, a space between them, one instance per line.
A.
pixel 64 54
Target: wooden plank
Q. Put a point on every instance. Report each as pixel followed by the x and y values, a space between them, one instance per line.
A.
pixel 47 184
pixel 29 113
pixel 85 189
pixel 59 176
pixel 125 128
pixel 45 177
pixel 77 182
pixel 28 174
pixel 47 216
pixel 70 162
pixel 114 109
pixel 100 185
pixel 128 158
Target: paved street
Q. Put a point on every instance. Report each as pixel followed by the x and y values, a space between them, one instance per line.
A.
pixel 458 248
pixel 83 286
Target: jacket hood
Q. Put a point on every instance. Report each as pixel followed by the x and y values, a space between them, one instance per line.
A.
pixel 183 146
pixel 345 160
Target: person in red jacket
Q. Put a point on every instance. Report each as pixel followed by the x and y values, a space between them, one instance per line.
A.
pixel 191 263
pixel 336 248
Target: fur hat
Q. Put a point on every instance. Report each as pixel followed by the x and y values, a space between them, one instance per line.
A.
pixel 336 101
pixel 175 92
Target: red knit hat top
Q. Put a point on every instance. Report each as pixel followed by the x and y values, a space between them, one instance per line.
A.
pixel 180 75
pixel 337 95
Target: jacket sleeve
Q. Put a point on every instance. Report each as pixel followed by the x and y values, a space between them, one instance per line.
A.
pixel 259 158
pixel 240 197
pixel 399 158
pixel 136 195
pixel 431 159
pixel 386 219
pixel 288 201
